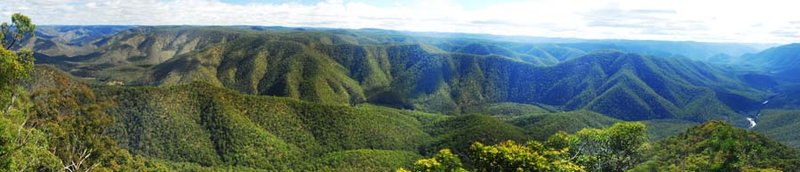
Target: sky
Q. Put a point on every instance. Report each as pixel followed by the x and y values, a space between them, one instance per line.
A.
pixel 755 21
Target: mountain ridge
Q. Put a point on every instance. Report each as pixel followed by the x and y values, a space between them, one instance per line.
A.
pixel 348 67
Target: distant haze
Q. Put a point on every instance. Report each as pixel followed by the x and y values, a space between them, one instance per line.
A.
pixel 763 21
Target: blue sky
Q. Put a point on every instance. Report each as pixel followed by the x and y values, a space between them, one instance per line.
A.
pixel 762 21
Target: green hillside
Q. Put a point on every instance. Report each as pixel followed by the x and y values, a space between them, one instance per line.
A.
pixel 780 61
pixel 225 97
pixel 780 125
pixel 242 98
pixel 208 128
pixel 439 75
pixel 718 146
pixel 211 126
pixel 540 126
pixel 449 83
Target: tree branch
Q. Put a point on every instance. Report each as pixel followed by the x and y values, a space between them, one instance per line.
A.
pixel 13 37
pixel 11 103
pixel 13 41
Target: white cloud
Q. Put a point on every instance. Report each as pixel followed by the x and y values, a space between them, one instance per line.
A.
pixel 710 20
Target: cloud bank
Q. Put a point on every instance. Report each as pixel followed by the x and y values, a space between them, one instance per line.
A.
pixel 763 21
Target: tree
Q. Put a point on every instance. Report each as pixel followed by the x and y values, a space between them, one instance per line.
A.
pixel 75 119
pixel 617 148
pixel 443 161
pixel 510 156
pixel 21 148
pixel 21 27
pixel 14 66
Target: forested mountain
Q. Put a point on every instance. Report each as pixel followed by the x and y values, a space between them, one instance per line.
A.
pixel 69 41
pixel 208 128
pixel 251 98
pixel 428 74
pixel 782 61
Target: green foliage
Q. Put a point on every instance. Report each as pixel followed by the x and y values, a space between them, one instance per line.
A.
pixel 505 156
pixel 718 146
pixel 459 132
pixel 365 160
pixel 187 126
pixel 780 125
pixel 252 131
pixel 617 148
pixel 442 161
pixel 509 156
pixel 428 73
pixel 21 27
pixel 540 126
pixel 76 122
pixel 780 62
pixel 505 109
pixel 662 128
pixel 23 148
pixel 14 66
pixel 206 128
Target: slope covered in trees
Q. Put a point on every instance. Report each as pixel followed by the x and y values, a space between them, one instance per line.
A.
pixel 718 146
pixel 209 128
pixel 781 61
pixel 270 98
pixel 205 126
pixel 713 146
pixel 414 72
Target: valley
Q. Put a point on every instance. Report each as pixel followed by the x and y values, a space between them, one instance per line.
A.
pixel 252 98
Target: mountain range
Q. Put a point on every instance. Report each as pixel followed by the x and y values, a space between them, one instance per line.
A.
pixel 278 98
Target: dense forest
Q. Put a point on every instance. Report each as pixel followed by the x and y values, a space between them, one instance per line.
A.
pixel 242 98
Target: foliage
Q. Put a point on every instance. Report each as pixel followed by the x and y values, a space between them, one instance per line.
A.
pixel 718 146
pixel 780 62
pixel 617 148
pixel 252 131
pixel 426 73
pixel 15 66
pixel 442 161
pixel 23 148
pixel 365 160
pixel 459 133
pixel 21 27
pixel 540 126
pixel 509 156
pixel 661 128
pixel 505 156
pixel 505 109
pixel 779 124
pixel 231 122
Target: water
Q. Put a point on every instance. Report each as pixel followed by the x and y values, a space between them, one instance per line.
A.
pixel 752 122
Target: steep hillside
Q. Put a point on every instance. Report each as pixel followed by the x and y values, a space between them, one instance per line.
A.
pixel 619 83
pixel 209 126
pixel 460 132
pixel 259 132
pixel 68 41
pixel 651 88
pixel 782 62
pixel 706 52
pixel 718 146
pixel 780 125
pixel 434 75
pixel 540 126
